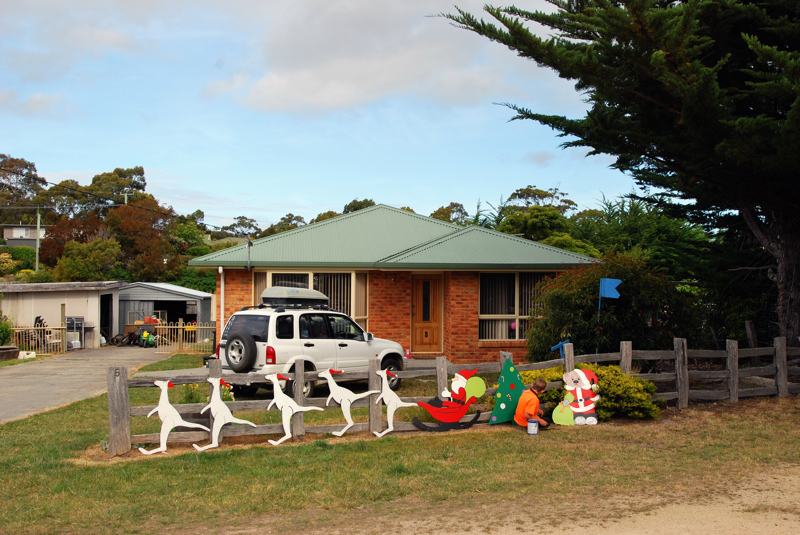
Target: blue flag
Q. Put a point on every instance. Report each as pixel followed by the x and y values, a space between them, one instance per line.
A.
pixel 608 288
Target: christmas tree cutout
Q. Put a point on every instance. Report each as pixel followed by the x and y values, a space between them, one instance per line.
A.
pixel 507 395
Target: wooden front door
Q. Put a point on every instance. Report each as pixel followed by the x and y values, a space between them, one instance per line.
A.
pixel 426 314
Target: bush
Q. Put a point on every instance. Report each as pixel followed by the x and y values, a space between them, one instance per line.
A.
pixel 621 396
pixel 26 256
pixel 5 331
pixel 649 311
pixel 199 250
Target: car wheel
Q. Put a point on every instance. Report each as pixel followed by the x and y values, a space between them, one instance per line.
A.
pixel 392 366
pixel 309 387
pixel 241 352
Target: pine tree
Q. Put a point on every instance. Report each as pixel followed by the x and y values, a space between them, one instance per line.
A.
pixel 698 99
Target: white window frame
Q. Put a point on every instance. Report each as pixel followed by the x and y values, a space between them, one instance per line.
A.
pixel 517 317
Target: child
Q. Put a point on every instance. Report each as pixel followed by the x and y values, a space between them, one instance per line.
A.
pixel 528 406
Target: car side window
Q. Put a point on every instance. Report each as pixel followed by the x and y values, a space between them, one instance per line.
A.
pixel 313 326
pixel 345 328
pixel 255 326
pixel 284 327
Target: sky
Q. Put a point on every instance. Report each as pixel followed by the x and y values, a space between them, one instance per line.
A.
pixel 260 108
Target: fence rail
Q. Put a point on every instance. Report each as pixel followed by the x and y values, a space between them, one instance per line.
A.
pixel 40 340
pixel 778 372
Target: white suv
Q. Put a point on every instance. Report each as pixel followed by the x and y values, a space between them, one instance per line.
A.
pixel 294 323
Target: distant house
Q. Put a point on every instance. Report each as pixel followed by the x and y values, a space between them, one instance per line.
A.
pixel 91 305
pixel 434 287
pixel 22 235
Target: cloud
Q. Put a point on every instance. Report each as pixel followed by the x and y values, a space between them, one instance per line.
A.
pixel 35 105
pixel 541 158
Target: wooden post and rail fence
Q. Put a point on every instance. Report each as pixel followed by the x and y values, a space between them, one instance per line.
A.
pixel 776 373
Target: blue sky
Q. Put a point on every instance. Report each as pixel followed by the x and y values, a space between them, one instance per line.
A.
pixel 261 108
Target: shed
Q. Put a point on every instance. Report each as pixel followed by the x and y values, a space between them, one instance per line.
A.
pixel 91 308
pixel 168 302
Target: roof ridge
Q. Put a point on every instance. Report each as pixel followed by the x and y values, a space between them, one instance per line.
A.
pixel 420 246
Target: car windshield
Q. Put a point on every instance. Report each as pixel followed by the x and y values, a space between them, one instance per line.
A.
pixel 255 326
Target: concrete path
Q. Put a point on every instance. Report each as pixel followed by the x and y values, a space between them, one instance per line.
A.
pixel 33 387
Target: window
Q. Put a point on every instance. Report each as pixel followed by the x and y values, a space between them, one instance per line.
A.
pixel 255 326
pixel 343 328
pixel 505 304
pixel 284 328
pixel 346 291
pixel 313 326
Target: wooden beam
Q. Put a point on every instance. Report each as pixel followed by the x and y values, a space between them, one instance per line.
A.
pixel 782 372
pixel 732 349
pixel 681 372
pixel 119 411
pixel 625 357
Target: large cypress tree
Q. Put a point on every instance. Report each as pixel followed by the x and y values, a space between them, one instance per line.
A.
pixel 697 99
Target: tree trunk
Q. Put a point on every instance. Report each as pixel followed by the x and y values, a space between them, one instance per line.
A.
pixel 781 238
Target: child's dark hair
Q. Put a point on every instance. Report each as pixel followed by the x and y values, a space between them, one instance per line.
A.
pixel 539 385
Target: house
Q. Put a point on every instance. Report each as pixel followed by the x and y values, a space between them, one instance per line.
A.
pixel 434 287
pixel 168 302
pixel 22 235
pixel 87 309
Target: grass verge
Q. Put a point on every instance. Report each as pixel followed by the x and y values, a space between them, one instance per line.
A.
pixel 56 480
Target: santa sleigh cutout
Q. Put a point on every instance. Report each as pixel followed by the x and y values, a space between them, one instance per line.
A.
pixel 449 412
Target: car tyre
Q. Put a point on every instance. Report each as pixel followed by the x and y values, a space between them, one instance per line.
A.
pixel 392 366
pixel 241 352
pixel 308 388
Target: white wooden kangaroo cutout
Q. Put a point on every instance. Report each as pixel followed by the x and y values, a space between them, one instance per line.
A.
pixel 221 413
pixel 170 418
pixel 391 400
pixel 343 397
pixel 286 405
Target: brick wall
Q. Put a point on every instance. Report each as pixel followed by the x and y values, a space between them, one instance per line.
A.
pixel 238 293
pixel 390 306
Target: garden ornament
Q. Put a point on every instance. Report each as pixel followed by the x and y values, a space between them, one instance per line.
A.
pixel 170 418
pixel 391 400
pixel 343 397
pixel 286 405
pixel 221 413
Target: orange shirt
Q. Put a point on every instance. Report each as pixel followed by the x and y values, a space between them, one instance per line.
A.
pixel 528 402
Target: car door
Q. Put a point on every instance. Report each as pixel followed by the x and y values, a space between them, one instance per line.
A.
pixel 316 341
pixel 353 353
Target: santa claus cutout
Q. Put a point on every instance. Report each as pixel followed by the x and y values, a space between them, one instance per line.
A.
pixel 582 385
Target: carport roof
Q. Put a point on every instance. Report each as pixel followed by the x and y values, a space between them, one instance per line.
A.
pixel 167 288
pixel 382 237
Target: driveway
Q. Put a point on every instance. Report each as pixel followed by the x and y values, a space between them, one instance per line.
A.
pixel 33 387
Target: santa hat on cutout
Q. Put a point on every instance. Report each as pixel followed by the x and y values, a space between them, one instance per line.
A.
pixel 589 377
pixel 466 374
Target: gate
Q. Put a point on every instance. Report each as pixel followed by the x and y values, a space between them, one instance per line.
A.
pixel 191 338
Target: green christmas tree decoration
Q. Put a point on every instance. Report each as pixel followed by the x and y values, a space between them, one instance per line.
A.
pixel 507 395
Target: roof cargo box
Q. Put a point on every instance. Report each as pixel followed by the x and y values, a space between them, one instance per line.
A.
pixel 281 296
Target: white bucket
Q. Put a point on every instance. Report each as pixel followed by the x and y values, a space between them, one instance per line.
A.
pixel 533 427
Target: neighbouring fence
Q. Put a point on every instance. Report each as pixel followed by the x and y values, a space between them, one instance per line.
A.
pixel 41 340
pixel 194 338
pixel 739 364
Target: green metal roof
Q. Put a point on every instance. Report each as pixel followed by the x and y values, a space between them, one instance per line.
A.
pixel 383 237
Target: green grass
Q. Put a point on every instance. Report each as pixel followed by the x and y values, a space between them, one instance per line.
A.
pixel 14 362
pixel 56 480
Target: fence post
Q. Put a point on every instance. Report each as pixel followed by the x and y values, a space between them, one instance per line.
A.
pixel 750 329
pixel 681 372
pixel 732 348
pixel 441 375
pixel 214 371
pixel 298 425
pixel 180 334
pixel 375 412
pixel 626 357
pixel 119 411
pixel 569 358
pixel 781 369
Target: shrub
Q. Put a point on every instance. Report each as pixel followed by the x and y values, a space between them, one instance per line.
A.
pixel 5 330
pixel 621 396
pixel 199 250
pixel 26 256
pixel 649 310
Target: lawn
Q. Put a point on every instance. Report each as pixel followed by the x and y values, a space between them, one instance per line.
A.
pixel 57 480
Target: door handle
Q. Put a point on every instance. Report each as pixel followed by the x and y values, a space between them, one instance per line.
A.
pixel 342 344
pixel 308 344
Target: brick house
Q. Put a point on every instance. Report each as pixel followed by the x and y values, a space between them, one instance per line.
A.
pixel 434 287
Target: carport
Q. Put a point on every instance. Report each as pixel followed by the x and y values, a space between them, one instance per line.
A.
pixel 166 302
